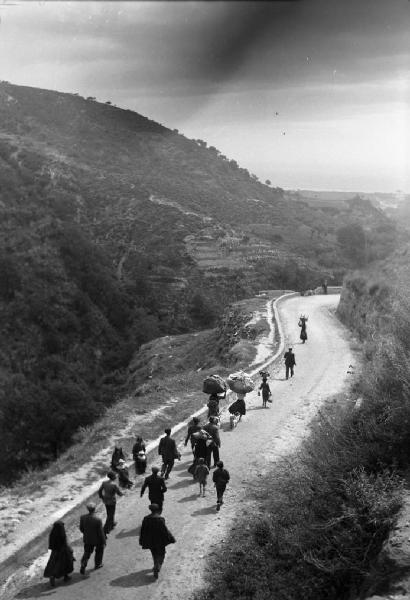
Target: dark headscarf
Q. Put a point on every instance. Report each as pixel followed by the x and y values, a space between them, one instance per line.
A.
pixel 58 536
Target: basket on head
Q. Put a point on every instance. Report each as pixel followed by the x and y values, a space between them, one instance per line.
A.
pixel 214 384
pixel 240 383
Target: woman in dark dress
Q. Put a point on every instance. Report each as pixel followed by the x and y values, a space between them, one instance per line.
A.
pixel 138 454
pixel 61 561
pixel 303 332
pixel 202 439
pixel 213 405
pixel 117 455
pixel 200 450
pixel 239 406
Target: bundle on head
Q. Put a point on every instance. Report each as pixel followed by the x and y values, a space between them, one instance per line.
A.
pixel 240 383
pixel 214 384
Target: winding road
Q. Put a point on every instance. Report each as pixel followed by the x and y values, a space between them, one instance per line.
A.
pixel 262 437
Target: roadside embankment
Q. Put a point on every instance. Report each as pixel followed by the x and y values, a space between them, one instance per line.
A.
pixel 376 306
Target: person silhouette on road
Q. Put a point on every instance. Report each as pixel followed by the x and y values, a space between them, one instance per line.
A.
pixel 156 488
pixel 155 536
pixel 93 538
pixel 290 362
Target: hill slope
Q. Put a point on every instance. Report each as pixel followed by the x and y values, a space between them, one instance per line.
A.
pixel 115 230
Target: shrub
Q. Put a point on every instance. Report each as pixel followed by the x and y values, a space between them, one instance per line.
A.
pixel 326 514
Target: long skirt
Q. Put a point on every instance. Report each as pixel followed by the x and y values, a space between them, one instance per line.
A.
pixel 238 406
pixel 60 563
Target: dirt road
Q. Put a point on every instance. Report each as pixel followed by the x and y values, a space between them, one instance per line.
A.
pixel 260 438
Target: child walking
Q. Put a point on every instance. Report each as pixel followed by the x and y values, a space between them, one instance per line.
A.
pixel 266 393
pixel 201 475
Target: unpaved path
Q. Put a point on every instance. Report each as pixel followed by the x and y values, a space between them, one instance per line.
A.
pixel 262 437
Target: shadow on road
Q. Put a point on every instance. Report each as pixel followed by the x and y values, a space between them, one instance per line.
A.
pixel 180 467
pixel 208 510
pixel 189 498
pixel 184 483
pixel 130 533
pixel 43 589
pixel 137 579
pixel 226 427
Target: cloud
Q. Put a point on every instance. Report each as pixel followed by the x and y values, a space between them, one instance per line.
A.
pixel 222 68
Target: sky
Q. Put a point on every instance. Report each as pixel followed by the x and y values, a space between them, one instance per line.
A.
pixel 310 94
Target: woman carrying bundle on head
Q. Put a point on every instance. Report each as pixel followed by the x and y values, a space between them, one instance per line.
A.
pixel 266 393
pixel 216 387
pixel 241 383
pixel 302 325
pixel 239 406
pixel 213 406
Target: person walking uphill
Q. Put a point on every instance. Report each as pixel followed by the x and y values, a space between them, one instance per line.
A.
pixel 266 393
pixel 93 537
pixel 290 362
pixel 155 536
pixel 60 563
pixel 168 450
pixel 193 427
pixel 108 493
pixel 302 325
pixel 213 448
pixel 201 475
pixel 220 478
pixel 156 488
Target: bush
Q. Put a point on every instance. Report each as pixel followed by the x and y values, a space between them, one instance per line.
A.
pixel 326 514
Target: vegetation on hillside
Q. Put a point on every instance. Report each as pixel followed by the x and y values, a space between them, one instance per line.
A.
pixel 326 512
pixel 96 206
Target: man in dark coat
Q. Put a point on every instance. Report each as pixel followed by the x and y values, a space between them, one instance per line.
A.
pixel 156 488
pixel 193 427
pixel 290 362
pixel 108 493
pixel 168 450
pixel 93 537
pixel 213 448
pixel 155 536
pixel 220 478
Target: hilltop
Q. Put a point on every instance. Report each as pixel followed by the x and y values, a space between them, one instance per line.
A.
pixel 116 230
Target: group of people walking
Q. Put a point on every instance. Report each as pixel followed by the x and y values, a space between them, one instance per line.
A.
pixel 154 534
pixel 205 443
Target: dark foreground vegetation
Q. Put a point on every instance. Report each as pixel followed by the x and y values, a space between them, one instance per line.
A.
pixel 325 514
pixel 115 230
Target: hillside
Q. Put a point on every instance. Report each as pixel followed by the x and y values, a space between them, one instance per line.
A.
pixel 116 230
